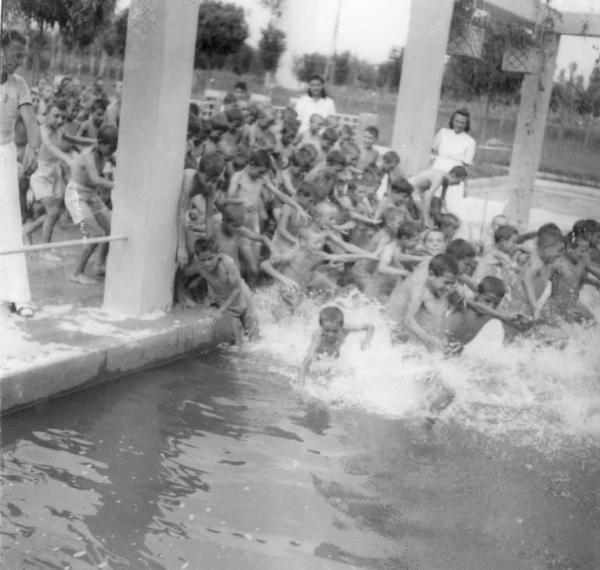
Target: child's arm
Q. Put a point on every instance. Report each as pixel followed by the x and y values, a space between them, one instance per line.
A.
pixel 184 198
pixel 362 218
pixel 349 247
pixel 284 197
pixel 346 257
pixel 385 267
pixel 315 341
pixel 528 285
pixel 287 282
pixel 75 139
pixel 232 277
pixel 254 236
pixel 369 331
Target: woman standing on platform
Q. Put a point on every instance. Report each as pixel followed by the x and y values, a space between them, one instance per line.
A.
pixel 314 101
pixel 455 147
pixel 15 100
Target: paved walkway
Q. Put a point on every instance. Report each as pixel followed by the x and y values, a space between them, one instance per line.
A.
pixel 70 330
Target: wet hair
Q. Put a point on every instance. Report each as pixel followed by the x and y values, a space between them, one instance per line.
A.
pixel 229 99
pixel 108 134
pixel 98 103
pixel 443 263
pixel 460 248
pixel 306 189
pixel 459 171
pixel 234 115
pixel 254 111
pixel 12 36
pixel 330 134
pixel 194 110
pixel 336 157
pixel 234 212
pixel 324 183
pixel 301 159
pixel 373 130
pixel 212 164
pixel 331 315
pixel 389 213
pixel 289 113
pixel 408 230
pixel 493 285
pixel 206 244
pixel 219 122
pixel 549 233
pixel 401 186
pixel 350 147
pixel 504 233
pixel 60 104
pixel 260 158
pixel 583 228
pixel 391 156
pixel 465 113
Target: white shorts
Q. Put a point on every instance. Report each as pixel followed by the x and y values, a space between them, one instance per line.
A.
pixel 48 182
pixel 82 203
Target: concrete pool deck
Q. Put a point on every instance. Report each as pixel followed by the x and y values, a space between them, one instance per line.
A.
pixel 71 342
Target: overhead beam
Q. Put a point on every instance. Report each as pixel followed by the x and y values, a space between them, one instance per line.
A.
pixel 525 9
pixel 578 24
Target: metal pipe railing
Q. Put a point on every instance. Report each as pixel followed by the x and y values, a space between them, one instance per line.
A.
pixel 61 244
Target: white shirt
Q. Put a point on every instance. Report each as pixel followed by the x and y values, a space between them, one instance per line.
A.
pixel 453 149
pixel 307 106
pixel 14 93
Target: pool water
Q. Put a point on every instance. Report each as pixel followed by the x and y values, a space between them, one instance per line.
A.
pixel 219 461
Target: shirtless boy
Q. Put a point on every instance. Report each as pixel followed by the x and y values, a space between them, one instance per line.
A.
pixel 228 291
pixel 420 303
pixel 328 340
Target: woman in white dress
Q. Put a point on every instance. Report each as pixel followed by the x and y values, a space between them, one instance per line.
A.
pixel 455 147
pixel 314 101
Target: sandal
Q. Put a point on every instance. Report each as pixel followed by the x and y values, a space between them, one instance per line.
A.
pixel 24 311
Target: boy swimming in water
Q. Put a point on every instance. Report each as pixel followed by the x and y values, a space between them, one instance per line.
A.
pixel 328 340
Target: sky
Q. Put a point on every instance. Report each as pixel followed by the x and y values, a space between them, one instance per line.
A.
pixel 370 28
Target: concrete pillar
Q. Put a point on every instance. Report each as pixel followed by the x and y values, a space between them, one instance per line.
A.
pixel 529 135
pixel 421 83
pixel 157 85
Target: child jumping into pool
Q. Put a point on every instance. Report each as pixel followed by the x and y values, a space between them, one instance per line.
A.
pixel 328 339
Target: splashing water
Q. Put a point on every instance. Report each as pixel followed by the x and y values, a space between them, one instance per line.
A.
pixel 528 393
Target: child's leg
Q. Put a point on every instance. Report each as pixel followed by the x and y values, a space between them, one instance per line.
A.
pixel 104 220
pixel 250 262
pixel 53 207
pixel 90 228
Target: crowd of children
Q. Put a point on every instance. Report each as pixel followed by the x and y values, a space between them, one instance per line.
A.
pixel 315 212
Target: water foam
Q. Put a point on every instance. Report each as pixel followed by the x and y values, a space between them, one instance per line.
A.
pixel 531 393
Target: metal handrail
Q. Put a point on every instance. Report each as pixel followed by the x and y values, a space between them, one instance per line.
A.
pixel 62 244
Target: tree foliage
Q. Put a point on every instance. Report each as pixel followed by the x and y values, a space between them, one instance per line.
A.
pixel 222 30
pixel 270 47
pixel 80 21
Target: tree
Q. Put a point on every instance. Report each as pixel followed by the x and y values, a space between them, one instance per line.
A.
pixel 309 64
pixel 389 72
pixel 270 47
pixel 222 30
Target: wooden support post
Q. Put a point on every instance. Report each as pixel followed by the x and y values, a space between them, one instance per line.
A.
pixel 421 83
pixel 529 135
pixel 159 58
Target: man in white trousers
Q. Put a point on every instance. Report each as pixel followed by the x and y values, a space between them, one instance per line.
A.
pixel 15 100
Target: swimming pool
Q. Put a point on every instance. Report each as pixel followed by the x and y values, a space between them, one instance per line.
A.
pixel 217 462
